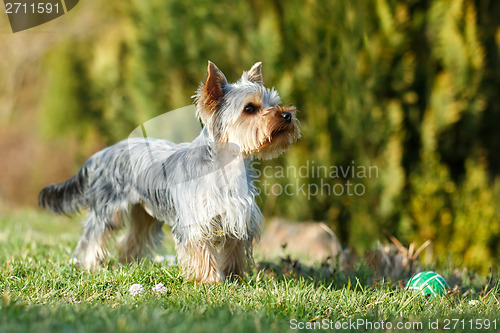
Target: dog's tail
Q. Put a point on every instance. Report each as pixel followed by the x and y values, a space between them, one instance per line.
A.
pixel 66 197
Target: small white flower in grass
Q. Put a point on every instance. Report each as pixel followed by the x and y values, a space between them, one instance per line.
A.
pixel 473 302
pixel 159 289
pixel 159 258
pixel 73 261
pixel 170 258
pixel 136 289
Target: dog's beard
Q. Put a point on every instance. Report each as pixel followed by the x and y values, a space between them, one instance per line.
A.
pixel 263 136
pixel 278 143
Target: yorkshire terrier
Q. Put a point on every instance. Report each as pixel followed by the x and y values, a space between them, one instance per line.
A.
pixel 204 189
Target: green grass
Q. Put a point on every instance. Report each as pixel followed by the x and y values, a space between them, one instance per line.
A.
pixel 41 292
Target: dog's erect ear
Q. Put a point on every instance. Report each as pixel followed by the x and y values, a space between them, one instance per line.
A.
pixel 254 74
pixel 214 84
pixel 210 93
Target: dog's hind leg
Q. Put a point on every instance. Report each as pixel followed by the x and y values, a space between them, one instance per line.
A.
pixel 92 247
pixel 143 238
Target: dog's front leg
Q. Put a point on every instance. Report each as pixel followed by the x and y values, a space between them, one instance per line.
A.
pixel 201 260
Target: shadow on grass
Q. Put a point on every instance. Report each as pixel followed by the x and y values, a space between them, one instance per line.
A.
pixel 462 281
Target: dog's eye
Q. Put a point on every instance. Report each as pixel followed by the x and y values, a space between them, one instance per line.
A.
pixel 250 108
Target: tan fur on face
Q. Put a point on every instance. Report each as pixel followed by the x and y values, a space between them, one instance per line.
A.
pixel 264 134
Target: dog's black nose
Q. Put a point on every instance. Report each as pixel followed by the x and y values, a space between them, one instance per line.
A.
pixel 287 116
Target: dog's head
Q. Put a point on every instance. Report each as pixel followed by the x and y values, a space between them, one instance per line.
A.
pixel 246 113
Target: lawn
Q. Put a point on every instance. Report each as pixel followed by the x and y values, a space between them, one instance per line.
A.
pixel 40 291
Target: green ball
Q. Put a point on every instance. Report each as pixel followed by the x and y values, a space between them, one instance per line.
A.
pixel 428 283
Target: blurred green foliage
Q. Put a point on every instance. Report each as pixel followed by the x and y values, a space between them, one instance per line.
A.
pixel 407 86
